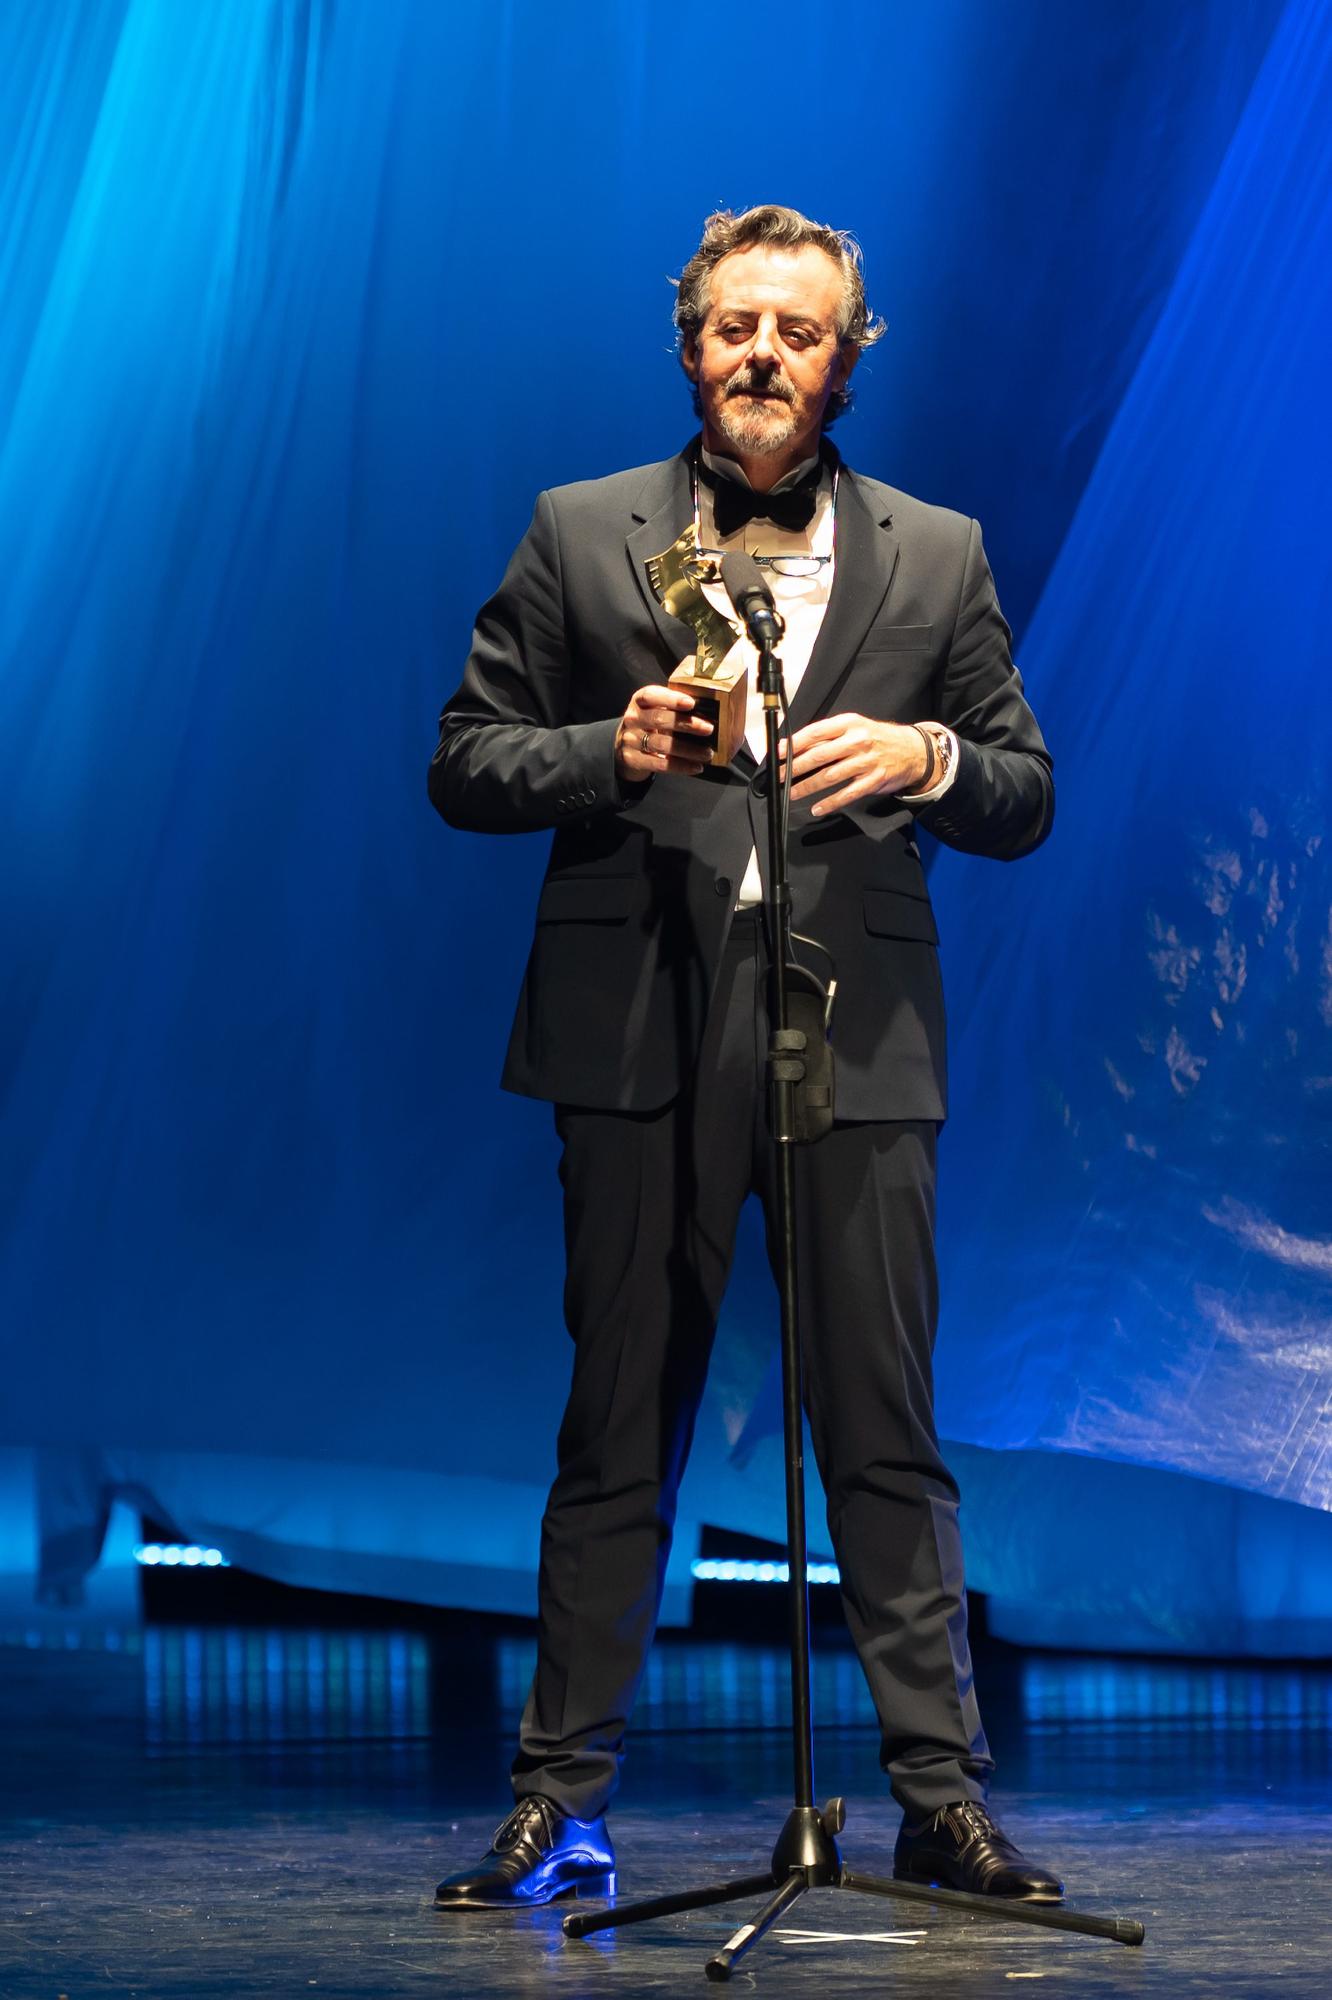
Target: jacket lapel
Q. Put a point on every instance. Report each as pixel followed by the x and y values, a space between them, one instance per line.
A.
pixel 867 551
pixel 661 510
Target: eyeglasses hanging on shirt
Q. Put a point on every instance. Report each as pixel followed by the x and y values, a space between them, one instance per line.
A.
pixel 781 565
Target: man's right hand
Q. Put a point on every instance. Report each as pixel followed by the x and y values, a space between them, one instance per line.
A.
pixel 659 733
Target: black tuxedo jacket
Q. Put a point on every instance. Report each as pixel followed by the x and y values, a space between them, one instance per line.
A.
pixel 638 894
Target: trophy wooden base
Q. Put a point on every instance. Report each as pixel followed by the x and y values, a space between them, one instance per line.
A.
pixel 722 699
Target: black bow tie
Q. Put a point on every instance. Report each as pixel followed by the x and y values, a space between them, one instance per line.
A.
pixel 733 505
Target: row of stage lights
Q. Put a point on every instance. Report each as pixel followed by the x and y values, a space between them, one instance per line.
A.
pixel 178 1555
pixel 188 1555
pixel 710 1570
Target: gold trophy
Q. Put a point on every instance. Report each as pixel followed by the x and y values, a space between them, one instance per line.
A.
pixel 720 693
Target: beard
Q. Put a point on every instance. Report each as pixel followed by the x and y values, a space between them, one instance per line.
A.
pixel 758 429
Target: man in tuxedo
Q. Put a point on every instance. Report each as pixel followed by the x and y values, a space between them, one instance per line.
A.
pixel 641 1020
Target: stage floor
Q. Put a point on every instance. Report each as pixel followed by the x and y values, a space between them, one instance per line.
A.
pixel 199 1812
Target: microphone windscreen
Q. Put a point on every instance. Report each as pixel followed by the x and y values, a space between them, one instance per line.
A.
pixel 744 582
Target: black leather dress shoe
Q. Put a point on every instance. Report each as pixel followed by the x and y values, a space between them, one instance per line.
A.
pixel 962 1848
pixel 537 1854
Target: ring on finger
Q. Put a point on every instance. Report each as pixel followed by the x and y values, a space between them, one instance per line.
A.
pixel 647 752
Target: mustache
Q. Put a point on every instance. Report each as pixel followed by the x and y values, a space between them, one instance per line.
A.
pixel 754 382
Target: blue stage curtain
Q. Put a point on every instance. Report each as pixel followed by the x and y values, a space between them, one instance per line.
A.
pixel 303 302
pixel 1140 1169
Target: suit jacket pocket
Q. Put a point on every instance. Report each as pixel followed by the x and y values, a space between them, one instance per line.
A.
pixel 875 816
pixel 898 639
pixel 587 899
pixel 892 913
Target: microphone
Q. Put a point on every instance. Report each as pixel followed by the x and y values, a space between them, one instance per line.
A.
pixel 751 599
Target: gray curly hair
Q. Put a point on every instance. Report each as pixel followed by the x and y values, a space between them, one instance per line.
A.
pixel 785 229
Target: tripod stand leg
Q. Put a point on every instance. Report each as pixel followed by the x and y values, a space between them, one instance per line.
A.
pixel 579 1923
pixel 719 1968
pixel 1120 1930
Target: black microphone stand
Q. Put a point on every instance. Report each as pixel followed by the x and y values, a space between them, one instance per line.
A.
pixel 799 1111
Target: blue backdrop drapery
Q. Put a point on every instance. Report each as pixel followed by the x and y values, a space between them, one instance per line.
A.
pixel 303 302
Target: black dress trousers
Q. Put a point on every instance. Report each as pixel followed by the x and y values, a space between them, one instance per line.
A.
pixel 651 1204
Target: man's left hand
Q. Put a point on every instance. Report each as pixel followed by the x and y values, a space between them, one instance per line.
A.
pixel 858 756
